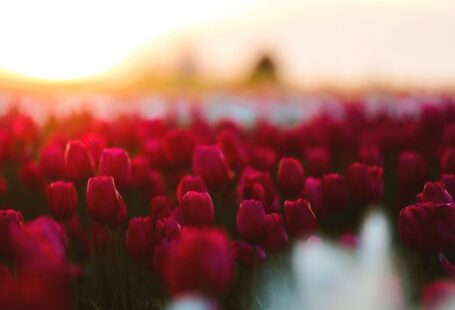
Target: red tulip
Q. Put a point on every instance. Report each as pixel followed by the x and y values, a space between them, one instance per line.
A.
pixel 335 192
pixel 62 200
pixel 412 174
pixel 160 207
pixel 139 237
pixel 290 176
pixel 95 145
pixel 428 226
pixel 312 191
pixel 79 164
pixel 299 217
pixel 139 172
pixel 257 185
pixel 8 218
pixel 167 228
pixel 434 192
pixel 190 183
pixel 317 160
pixel 366 183
pixel 276 237
pixel 209 163
pixel 200 262
pixel 104 203
pixel 248 254
pixel 31 176
pixel 250 220
pixel 52 161
pixel 197 209
pixel 178 147
pixel 116 163
pixel 448 161
pixel 263 158
pixel 233 149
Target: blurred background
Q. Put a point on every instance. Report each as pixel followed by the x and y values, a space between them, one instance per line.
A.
pixel 303 44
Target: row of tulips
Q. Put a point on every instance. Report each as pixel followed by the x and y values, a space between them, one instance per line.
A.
pixel 127 213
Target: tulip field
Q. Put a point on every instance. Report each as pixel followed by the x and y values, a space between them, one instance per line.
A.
pixel 137 211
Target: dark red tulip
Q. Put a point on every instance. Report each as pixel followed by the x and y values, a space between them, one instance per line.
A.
pixel 139 237
pixel 257 185
pixel 335 192
pixel 104 203
pixel 263 158
pixel 200 262
pixel 178 147
pixel 95 145
pixel 209 163
pixel 233 149
pixel 79 164
pixel 157 185
pixel 160 207
pixel 8 218
pixel 31 176
pixel 312 191
pixel 167 228
pixel 317 161
pixel 366 183
pixel 448 161
pixel 139 172
pixel 370 155
pixel 62 200
pixel 248 254
pixel 250 220
pixel 52 161
pixel 449 183
pixel 197 209
pixel 116 163
pixel 434 192
pixel 428 226
pixel 153 150
pixel 276 238
pixel 436 294
pixel 299 217
pixel 290 176
pixel 190 183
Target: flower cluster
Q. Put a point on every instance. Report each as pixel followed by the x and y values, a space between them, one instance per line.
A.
pixel 132 211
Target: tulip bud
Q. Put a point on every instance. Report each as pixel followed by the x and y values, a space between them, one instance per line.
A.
pixel 290 176
pixel 257 185
pixel 233 149
pixel 31 176
pixel 167 228
pixel 178 147
pixel 116 163
pixel 78 162
pixel 448 161
pixel 449 183
pixel 317 161
pixel 62 200
pixel 139 237
pixel 190 183
pixel 209 163
pixel 365 183
pixel 104 203
pixel 248 254
pixel 312 191
pixel 300 219
pixel 276 237
pixel 95 145
pixel 190 265
pixel 160 207
pixel 197 209
pixel 8 218
pixel 52 161
pixel 434 192
pixel 250 220
pixel 335 192
pixel 427 227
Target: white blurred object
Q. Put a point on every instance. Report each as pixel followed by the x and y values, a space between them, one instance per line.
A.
pixel 191 303
pixel 327 276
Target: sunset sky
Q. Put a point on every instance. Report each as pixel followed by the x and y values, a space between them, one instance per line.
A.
pixel 313 40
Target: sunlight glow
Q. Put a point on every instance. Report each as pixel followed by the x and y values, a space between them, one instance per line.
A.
pixel 68 40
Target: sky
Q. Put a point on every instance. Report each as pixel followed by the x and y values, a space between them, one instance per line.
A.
pixel 312 40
